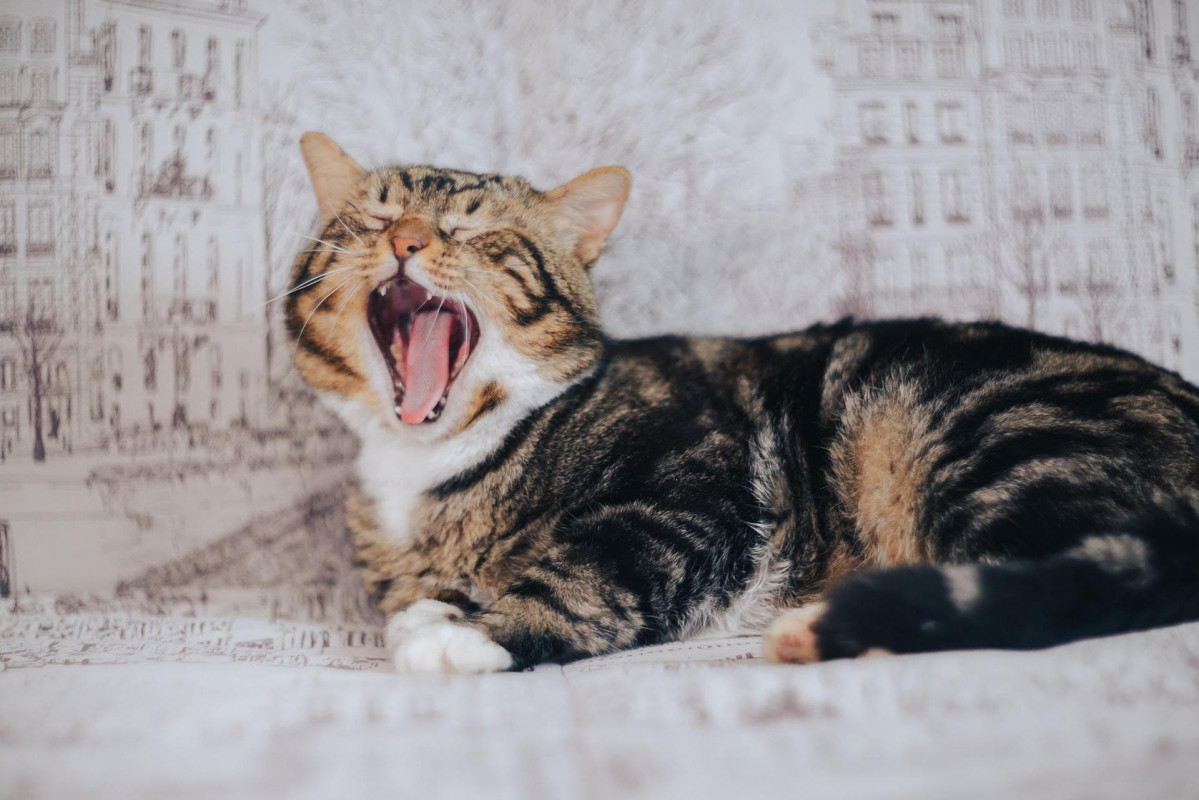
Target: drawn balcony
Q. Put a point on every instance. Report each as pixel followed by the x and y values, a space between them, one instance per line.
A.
pixel 172 181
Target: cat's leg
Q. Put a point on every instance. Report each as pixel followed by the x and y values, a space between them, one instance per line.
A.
pixel 1144 574
pixel 433 636
pixel 610 579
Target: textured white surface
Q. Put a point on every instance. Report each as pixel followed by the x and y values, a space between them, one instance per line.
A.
pixel 1108 718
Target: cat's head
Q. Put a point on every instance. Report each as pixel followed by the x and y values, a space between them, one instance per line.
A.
pixel 432 298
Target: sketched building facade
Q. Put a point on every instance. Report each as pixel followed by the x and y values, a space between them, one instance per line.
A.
pixel 131 225
pixel 1024 159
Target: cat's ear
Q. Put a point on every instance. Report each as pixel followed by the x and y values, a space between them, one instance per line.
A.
pixel 334 174
pixel 589 207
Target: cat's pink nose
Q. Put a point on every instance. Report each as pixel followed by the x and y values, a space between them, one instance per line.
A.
pixel 410 237
pixel 405 246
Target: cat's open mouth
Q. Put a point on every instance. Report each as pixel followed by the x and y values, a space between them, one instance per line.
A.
pixel 425 340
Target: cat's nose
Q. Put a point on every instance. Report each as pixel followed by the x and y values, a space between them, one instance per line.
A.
pixel 412 236
pixel 405 246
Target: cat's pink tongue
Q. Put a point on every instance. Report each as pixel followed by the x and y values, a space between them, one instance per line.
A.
pixel 426 365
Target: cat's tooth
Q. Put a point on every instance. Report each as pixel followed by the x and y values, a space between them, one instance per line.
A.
pixel 383 290
pixel 399 410
pixel 433 415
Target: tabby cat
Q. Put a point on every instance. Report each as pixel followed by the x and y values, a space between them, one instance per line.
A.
pixel 531 490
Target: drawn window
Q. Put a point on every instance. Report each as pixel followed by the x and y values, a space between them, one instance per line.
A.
pixel 1055 120
pixel 1188 114
pixel 8 301
pixel 8 375
pixel 150 370
pixel 145 42
pixel 41 155
pixel 1015 54
pixel 1019 119
pixel 911 123
pixel 1094 192
pixel 1050 51
pixel 909 59
pixel 239 57
pixel 210 150
pixel 41 38
pixel 146 145
pixel 1061 191
pixel 918 261
pixel 40 236
pixel 41 300
pixel 8 86
pixel 1013 9
pixel 1099 263
pixel 1081 10
pixel 951 122
pixel 112 280
pixel 178 49
pixel 874 195
pixel 884 24
pixel 1065 265
pixel 917 183
pixel 1047 9
pixel 213 266
pixel 1152 125
pixel 1025 192
pixel 40 86
pixel 949 26
pixel 955 201
pixel 147 276
pixel 871 59
pixel 1087 52
pixel 874 123
pixel 949 59
pixel 10 35
pixel 179 266
pixel 8 154
pixel 213 56
pixel 1088 117
pixel 8 227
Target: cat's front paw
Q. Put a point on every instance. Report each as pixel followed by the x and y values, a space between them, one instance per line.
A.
pixel 429 636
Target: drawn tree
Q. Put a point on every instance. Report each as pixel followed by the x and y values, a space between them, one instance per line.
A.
pixel 38 338
pixel 1024 251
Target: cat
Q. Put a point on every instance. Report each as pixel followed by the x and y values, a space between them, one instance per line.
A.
pixel 530 490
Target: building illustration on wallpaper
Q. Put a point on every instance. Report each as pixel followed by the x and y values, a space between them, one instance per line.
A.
pixel 132 271
pixel 1031 159
pixel 136 389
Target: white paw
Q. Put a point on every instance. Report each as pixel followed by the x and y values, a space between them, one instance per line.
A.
pixel 428 637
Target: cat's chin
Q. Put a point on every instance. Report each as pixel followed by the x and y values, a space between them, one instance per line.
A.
pixel 425 340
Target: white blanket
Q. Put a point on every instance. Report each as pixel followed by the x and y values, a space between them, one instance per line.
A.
pixel 128 700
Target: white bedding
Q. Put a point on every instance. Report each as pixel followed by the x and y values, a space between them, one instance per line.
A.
pixel 127 700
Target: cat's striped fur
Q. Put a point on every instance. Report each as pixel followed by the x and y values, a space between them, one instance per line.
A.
pixel 907 486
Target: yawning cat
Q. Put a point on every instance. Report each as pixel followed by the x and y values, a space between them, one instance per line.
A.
pixel 531 490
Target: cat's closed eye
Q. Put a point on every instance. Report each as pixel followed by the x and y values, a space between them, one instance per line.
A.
pixel 461 233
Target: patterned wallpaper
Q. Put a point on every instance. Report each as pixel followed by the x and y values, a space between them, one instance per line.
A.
pixel 1030 160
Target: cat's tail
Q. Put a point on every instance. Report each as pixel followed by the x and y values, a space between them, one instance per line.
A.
pixel 1143 574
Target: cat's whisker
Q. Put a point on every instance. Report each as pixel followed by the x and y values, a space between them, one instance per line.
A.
pixel 310 282
pixel 349 230
pixel 300 335
pixel 481 296
pixel 341 309
pixel 334 245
